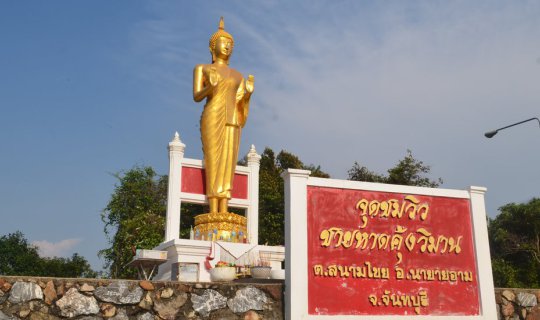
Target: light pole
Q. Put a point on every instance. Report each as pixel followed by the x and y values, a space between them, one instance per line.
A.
pixel 490 134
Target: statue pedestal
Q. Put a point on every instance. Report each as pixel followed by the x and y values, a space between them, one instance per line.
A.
pixel 186 259
pixel 229 227
pixel 184 255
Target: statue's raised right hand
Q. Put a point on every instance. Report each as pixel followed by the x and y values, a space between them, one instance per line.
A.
pixel 213 76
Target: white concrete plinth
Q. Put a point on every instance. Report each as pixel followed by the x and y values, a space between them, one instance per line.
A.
pixel 196 251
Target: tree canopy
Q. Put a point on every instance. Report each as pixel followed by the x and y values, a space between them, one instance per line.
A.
pixel 271 193
pixel 134 218
pixel 22 258
pixel 408 171
pixel 515 245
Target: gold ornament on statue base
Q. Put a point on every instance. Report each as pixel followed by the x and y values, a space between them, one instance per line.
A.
pixel 225 113
pixel 227 226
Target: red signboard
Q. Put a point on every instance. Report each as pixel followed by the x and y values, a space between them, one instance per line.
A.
pixel 381 253
pixel 193 181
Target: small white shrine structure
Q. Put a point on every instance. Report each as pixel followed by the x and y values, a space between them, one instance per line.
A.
pixel 188 259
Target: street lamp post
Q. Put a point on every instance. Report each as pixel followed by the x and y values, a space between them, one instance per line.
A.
pixel 490 134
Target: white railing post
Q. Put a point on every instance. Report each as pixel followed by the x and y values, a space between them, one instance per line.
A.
pixel 252 214
pixel 296 226
pixel 176 154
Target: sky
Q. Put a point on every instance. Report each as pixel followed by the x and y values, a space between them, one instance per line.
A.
pixel 91 88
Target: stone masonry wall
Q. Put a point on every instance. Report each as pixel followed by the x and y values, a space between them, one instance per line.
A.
pixel 518 304
pixel 54 298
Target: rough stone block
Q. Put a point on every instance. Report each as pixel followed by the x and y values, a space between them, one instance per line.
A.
pixel 146 285
pixel 508 295
pixel 525 299
pixel 209 301
pixel 248 298
pixel 119 293
pixel 50 293
pixel 507 310
pixel 533 314
pixel 169 308
pixel 25 291
pixel 74 304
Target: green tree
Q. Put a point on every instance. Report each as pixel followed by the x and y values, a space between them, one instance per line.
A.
pixel 361 173
pixel 18 256
pixel 134 218
pixel 22 258
pixel 271 193
pixel 408 171
pixel 74 267
pixel 514 236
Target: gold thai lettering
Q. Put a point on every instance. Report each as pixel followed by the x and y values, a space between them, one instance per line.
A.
pixel 362 240
pixel 343 271
pixel 385 273
pixel 385 209
pixel 433 245
pixel 367 270
pixel 325 238
pixel 318 270
pixel 466 276
pixel 400 300
pixel 397 238
pixel 399 273
pixel 410 242
pixel 373 299
pixel 421 240
pixel 454 245
pixel 392 208
pixel 362 206
pixel 414 274
pixel 328 235
pixel 332 271
pixel 425 237
pixel 373 236
pixel 348 238
pixel 383 241
pixel 421 274
pixel 399 257
pixel 395 212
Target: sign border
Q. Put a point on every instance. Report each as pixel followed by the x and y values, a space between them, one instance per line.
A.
pixel 296 278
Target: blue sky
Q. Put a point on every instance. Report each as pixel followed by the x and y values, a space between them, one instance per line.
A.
pixel 89 88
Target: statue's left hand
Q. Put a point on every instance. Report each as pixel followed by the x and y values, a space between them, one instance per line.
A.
pixel 250 84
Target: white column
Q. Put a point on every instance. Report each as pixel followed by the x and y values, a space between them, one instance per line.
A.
pixel 483 258
pixel 252 214
pixel 296 251
pixel 176 154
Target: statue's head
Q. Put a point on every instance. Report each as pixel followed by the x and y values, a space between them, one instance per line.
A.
pixel 221 43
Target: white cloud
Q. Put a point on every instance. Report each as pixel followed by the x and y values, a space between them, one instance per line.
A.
pixel 61 248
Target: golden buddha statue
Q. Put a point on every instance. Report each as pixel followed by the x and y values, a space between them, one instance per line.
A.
pixel 227 96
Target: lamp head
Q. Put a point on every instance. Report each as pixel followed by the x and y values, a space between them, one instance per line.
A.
pixel 491 133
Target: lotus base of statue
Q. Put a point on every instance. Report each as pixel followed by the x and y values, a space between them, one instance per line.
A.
pixel 229 227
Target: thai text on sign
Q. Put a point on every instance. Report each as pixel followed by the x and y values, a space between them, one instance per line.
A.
pixel 383 253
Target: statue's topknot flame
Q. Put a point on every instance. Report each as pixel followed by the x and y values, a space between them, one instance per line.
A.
pixel 220 33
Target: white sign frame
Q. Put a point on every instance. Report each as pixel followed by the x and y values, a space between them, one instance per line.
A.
pixel 296 277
